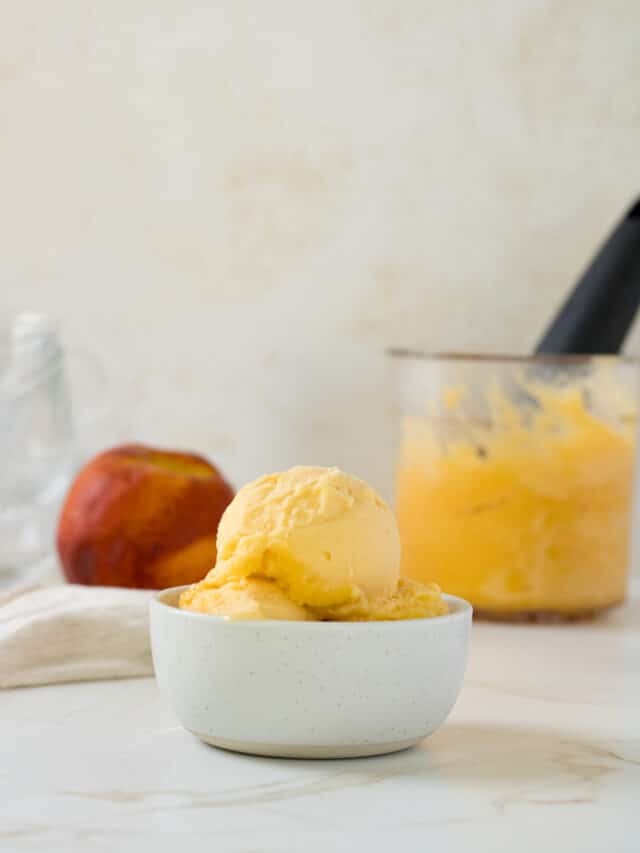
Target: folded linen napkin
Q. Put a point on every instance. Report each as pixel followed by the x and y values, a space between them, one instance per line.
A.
pixel 70 632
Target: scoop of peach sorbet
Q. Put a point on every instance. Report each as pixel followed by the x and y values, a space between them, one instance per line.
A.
pixel 310 543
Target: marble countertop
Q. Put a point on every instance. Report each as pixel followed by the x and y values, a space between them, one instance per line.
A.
pixel 542 752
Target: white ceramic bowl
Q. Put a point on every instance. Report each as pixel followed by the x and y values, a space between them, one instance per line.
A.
pixel 309 689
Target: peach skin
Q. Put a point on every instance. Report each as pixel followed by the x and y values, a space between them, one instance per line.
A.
pixel 138 516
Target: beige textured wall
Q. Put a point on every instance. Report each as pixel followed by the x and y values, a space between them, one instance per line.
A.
pixel 239 204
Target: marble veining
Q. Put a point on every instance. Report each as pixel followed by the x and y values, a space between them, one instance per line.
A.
pixel 543 748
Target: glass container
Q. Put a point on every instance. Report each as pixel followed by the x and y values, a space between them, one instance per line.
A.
pixel 514 479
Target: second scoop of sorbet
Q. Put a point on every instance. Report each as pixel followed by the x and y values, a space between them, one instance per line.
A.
pixel 321 542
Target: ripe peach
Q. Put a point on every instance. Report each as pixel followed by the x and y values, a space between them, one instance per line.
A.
pixel 137 516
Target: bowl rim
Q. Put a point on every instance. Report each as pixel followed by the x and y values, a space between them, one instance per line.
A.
pixel 463 611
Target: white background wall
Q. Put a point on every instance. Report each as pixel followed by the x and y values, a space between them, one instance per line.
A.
pixel 238 205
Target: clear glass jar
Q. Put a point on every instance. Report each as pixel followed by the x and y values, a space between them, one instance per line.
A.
pixel 514 479
pixel 35 440
pixel 39 442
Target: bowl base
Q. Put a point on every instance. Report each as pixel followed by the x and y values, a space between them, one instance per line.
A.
pixel 282 750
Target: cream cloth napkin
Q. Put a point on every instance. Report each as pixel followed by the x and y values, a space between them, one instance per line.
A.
pixel 70 632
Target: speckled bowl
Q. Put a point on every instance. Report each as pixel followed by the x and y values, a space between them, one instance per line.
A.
pixel 309 689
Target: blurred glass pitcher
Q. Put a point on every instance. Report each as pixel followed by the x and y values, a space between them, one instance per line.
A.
pixel 37 437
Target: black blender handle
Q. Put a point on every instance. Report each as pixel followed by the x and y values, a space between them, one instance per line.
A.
pixel 601 308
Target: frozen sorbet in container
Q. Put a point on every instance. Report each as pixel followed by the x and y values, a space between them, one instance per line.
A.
pixel 514 479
